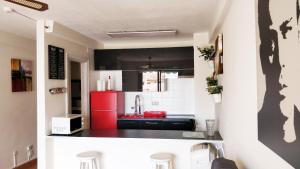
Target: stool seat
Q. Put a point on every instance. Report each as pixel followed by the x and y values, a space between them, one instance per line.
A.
pixel 88 155
pixel 162 157
pixel 162 160
pixel 89 160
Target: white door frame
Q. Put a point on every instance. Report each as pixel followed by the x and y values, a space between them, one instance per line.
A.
pixel 84 68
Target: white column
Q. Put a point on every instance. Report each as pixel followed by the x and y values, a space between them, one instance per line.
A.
pixel 41 94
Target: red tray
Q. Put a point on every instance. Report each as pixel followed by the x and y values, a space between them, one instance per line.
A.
pixel 155 114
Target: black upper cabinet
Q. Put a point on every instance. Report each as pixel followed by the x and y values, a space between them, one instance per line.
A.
pixel 105 60
pixel 132 81
pixel 179 59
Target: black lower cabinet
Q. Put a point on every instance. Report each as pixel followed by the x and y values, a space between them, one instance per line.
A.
pixel 128 124
pixel 157 124
pixel 188 124
pixel 151 125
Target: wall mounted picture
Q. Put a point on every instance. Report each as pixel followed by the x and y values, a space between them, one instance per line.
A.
pixel 218 60
pixel 21 75
pixel 278 78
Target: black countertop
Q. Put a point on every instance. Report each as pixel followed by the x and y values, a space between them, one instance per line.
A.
pixel 148 134
pixel 167 118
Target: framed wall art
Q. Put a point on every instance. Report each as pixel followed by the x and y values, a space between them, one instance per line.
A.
pixel 21 75
pixel 218 59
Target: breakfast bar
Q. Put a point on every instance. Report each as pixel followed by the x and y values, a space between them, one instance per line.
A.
pixel 144 134
pixel 131 148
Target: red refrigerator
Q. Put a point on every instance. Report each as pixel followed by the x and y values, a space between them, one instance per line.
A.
pixel 106 107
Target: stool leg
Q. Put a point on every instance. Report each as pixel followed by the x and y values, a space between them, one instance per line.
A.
pixel 94 164
pixel 153 166
pixel 90 164
pixel 98 164
pixel 171 165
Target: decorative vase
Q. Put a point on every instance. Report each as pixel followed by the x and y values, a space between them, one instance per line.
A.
pixel 211 63
pixel 210 127
pixel 217 97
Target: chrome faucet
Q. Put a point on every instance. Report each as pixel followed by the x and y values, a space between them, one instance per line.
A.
pixel 137 105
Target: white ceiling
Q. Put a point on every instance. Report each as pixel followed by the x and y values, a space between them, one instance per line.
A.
pixel 94 18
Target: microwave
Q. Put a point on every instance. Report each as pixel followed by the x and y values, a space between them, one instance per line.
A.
pixel 67 124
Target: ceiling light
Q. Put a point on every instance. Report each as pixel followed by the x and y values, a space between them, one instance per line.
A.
pixel 36 5
pixel 151 33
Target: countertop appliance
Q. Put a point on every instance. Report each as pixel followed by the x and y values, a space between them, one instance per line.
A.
pixel 106 107
pixel 67 124
pixel 155 114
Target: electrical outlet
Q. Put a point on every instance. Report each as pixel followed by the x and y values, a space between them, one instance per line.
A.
pixel 155 102
pixel 29 147
pixel 15 155
pixel 30 152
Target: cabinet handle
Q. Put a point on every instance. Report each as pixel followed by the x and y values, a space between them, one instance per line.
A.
pixel 102 110
pixel 129 122
pixel 178 123
pixel 151 122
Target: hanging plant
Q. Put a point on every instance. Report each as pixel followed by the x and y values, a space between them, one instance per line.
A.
pixel 207 52
pixel 215 89
pixel 211 81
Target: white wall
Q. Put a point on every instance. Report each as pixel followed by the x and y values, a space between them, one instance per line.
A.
pixel 177 100
pixel 18 110
pixel 238 110
pixel 204 104
pixel 115 75
pixel 77 47
pixel 56 104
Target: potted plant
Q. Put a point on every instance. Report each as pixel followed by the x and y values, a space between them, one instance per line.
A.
pixel 211 81
pixel 208 53
pixel 216 91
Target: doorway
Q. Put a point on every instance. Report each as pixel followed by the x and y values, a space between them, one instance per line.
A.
pixel 75 75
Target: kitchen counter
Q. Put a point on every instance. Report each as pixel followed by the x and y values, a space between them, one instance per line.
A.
pixel 146 134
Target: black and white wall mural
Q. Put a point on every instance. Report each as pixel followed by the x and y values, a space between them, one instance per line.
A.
pixel 279 55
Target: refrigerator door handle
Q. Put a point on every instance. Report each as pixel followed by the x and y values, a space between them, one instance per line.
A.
pixel 103 110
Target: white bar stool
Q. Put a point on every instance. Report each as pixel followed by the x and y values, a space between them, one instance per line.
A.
pixel 89 160
pixel 162 161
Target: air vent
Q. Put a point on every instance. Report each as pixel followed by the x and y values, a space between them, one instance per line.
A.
pixel 152 33
pixel 36 5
